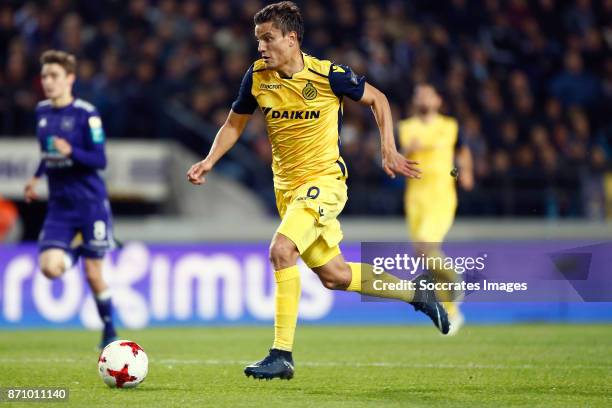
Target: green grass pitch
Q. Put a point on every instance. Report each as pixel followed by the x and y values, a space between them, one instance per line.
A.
pixel 495 366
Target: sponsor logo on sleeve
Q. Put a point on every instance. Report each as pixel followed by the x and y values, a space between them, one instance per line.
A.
pixel 97 132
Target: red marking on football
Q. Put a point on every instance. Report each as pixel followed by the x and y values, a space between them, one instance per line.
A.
pixel 135 347
pixel 121 377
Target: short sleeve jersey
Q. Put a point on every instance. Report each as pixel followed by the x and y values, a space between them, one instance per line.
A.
pixel 303 116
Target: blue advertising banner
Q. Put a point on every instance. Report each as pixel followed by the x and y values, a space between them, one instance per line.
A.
pixel 218 283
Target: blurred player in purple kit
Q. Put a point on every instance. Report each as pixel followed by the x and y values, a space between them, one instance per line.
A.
pixel 78 220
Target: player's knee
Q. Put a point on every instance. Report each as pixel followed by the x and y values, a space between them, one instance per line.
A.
pixel 52 270
pixel 52 263
pixel 283 254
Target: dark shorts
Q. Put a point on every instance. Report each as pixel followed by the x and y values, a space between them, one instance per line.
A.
pixel 64 222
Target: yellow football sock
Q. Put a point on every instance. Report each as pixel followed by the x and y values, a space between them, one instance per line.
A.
pixel 287 299
pixel 449 298
pixel 363 282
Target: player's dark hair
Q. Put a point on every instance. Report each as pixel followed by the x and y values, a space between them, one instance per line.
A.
pixel 284 15
pixel 62 58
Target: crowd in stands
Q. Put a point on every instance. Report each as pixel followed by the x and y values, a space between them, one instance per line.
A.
pixel 529 81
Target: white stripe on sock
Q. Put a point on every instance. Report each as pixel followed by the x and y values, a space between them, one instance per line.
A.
pixel 104 295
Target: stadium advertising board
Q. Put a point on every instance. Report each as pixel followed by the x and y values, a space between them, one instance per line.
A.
pixel 231 283
pixel 136 169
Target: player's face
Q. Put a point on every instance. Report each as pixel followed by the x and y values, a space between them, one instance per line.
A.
pixel 274 47
pixel 426 99
pixel 55 81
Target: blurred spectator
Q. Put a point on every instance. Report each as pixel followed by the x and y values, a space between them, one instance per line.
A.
pixel 574 86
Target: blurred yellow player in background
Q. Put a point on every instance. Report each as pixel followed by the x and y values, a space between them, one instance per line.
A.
pixel 434 141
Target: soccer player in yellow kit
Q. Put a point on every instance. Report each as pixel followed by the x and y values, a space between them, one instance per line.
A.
pixel 301 98
pixel 430 202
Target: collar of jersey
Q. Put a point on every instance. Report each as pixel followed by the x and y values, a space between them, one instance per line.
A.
pixel 305 69
pixel 436 119
pixel 63 107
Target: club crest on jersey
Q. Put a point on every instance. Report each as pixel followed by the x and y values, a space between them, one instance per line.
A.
pixel 42 122
pixel 67 123
pixel 309 92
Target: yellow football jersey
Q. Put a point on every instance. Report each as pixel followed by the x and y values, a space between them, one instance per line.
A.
pixel 435 142
pixel 303 116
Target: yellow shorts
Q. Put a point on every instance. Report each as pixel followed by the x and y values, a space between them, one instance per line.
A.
pixel 430 215
pixel 309 218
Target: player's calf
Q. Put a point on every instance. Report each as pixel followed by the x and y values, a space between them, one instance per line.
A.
pixel 93 271
pixel 102 296
pixel 335 274
pixel 335 281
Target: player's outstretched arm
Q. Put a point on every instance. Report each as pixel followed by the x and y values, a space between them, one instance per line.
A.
pixel 226 137
pixel 392 161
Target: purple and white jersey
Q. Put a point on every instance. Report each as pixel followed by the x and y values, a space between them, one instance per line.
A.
pixel 75 177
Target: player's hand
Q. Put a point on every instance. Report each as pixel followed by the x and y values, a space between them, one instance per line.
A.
pixel 197 173
pixel 393 163
pixel 62 146
pixel 29 192
pixel 466 181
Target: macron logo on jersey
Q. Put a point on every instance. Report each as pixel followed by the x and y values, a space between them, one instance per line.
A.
pixel 283 114
pixel 269 86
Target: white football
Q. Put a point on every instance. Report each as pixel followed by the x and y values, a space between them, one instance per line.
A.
pixel 123 364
